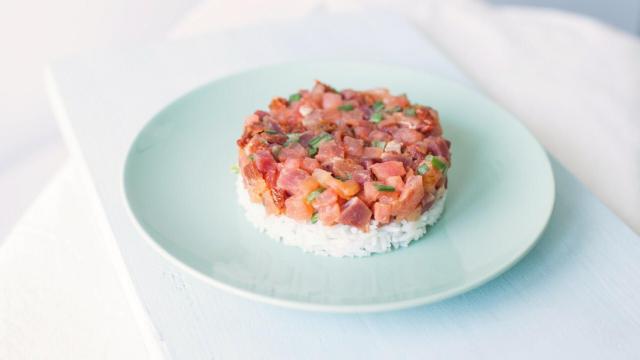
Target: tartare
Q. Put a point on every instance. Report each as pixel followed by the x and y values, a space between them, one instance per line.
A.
pixel 343 172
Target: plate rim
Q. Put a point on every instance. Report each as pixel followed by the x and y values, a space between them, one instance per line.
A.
pixel 322 307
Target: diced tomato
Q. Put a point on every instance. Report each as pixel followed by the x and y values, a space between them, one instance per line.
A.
pixel 344 189
pixel 271 204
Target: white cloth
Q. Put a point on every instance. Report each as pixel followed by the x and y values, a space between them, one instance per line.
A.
pixel 60 297
pixel 574 82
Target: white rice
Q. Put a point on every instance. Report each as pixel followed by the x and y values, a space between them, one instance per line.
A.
pixel 337 240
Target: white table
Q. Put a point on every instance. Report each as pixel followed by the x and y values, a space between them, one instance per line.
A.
pixel 568 288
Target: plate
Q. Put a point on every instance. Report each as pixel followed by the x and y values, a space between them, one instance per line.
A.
pixel 180 190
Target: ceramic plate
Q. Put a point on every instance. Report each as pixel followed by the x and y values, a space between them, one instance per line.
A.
pixel 180 189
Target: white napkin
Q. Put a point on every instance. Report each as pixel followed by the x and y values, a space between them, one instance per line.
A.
pixel 60 297
pixel 574 82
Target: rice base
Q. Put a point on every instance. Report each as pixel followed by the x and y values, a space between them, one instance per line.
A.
pixel 337 240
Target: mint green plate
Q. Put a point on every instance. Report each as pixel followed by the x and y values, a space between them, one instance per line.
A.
pixel 181 192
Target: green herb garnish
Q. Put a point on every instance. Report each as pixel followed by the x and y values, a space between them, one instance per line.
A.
pixel 314 218
pixel 314 194
pixel 422 169
pixel 385 188
pixel 251 157
pixel 378 106
pixel 294 97
pixel 235 168
pixel 316 141
pixel 319 139
pixel 376 117
pixel 410 112
pixel 345 107
pixel 378 144
pixel 292 138
pixel 271 132
pixel 439 164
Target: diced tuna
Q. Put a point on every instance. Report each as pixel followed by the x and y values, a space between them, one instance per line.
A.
pixel 328 150
pixel 329 214
pixel 327 197
pixel 355 213
pixel 353 147
pixel 344 168
pixel 290 180
pixel 395 181
pixel 379 135
pixel 331 100
pixel 292 163
pixel 388 168
pixel 372 153
pixel 410 197
pixel 407 136
pixel 310 164
pixel 298 209
pixel 295 151
pixel 361 176
pixel 382 212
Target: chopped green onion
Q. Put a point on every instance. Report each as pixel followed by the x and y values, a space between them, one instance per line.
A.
pixel 251 157
pixel 314 194
pixel 378 105
pixel 345 107
pixel 385 188
pixel 314 218
pixel 376 117
pixel 319 139
pixel 292 138
pixel 378 144
pixel 316 141
pixel 294 97
pixel 271 132
pixel 439 164
pixel 235 168
pixel 410 112
pixel 422 169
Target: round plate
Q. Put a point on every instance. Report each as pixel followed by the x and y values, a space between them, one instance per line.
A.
pixel 180 189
